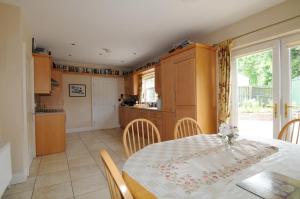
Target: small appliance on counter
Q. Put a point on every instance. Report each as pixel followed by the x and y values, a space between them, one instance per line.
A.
pixel 129 100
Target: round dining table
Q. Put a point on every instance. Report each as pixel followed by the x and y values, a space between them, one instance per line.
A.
pixel 202 166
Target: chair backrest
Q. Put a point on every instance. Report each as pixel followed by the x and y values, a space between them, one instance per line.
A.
pixel 290 131
pixel 116 184
pixel 186 127
pixel 138 134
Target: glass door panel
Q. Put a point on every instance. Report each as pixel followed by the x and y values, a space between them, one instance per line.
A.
pixel 255 94
pixel 290 75
pixel 293 108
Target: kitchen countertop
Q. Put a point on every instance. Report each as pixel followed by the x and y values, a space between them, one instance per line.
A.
pixel 144 108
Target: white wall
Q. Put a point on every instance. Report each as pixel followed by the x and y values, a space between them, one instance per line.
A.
pixel 286 10
pixel 15 40
pixel 78 109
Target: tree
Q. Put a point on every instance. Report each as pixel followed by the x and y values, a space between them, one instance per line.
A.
pixel 295 62
pixel 257 67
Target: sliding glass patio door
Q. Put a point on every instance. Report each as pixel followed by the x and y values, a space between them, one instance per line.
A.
pixel 256 89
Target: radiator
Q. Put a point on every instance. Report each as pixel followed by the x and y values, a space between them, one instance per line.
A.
pixel 5 167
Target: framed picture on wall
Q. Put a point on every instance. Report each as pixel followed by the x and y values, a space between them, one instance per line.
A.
pixel 77 90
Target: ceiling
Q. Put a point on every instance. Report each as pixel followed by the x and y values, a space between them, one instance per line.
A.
pixel 127 32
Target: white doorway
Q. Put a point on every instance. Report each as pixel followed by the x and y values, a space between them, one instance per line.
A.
pixel 106 92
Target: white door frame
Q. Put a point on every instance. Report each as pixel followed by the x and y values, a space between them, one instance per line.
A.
pixel 286 43
pixel 275 46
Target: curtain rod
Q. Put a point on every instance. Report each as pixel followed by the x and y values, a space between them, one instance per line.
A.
pixel 265 27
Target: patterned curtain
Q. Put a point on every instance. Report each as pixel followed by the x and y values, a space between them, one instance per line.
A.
pixel 224 80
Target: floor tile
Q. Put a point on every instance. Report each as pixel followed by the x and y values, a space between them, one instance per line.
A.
pixel 21 187
pixel 59 191
pixel 103 194
pixel 21 195
pixel 53 167
pixel 52 179
pixel 81 161
pixel 53 158
pixel 89 184
pixel 77 173
pixel 85 171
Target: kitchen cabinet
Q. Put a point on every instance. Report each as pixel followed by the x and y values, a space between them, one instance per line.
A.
pixel 131 84
pixel 50 133
pixel 127 114
pixel 168 85
pixel 42 73
pixel 56 99
pixel 185 82
pixel 189 85
pixel 158 80
pixel 169 122
pixel 122 116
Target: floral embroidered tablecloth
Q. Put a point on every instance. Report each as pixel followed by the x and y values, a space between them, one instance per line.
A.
pixel 202 167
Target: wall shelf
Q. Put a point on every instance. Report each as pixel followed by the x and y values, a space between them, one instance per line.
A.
pixel 88 74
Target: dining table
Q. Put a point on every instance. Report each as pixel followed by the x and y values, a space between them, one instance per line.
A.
pixel 203 166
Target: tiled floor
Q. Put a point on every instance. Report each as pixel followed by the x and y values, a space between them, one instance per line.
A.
pixel 77 173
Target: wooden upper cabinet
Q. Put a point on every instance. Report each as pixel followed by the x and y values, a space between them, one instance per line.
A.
pixel 185 82
pixel 42 74
pixel 131 84
pixel 158 79
pixel 168 75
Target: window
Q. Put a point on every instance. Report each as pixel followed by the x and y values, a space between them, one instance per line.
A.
pixel 148 88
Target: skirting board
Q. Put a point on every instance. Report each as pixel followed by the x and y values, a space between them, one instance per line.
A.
pixel 18 178
pixel 78 130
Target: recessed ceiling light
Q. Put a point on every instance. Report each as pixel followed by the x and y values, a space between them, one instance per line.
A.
pixel 107 50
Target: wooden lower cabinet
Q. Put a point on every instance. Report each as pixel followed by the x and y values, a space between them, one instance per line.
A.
pixel 164 121
pixel 50 133
pixel 169 121
pixel 185 111
pixel 127 114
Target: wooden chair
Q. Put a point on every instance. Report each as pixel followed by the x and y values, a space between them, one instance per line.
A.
pixel 186 127
pixel 117 186
pixel 138 134
pixel 290 131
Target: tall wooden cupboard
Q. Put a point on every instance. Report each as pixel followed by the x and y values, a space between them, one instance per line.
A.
pixel 188 87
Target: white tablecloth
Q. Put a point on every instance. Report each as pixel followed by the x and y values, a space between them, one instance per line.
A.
pixel 172 169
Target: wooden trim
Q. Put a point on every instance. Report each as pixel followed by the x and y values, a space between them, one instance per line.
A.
pixel 187 48
pixel 40 55
pixel 145 71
